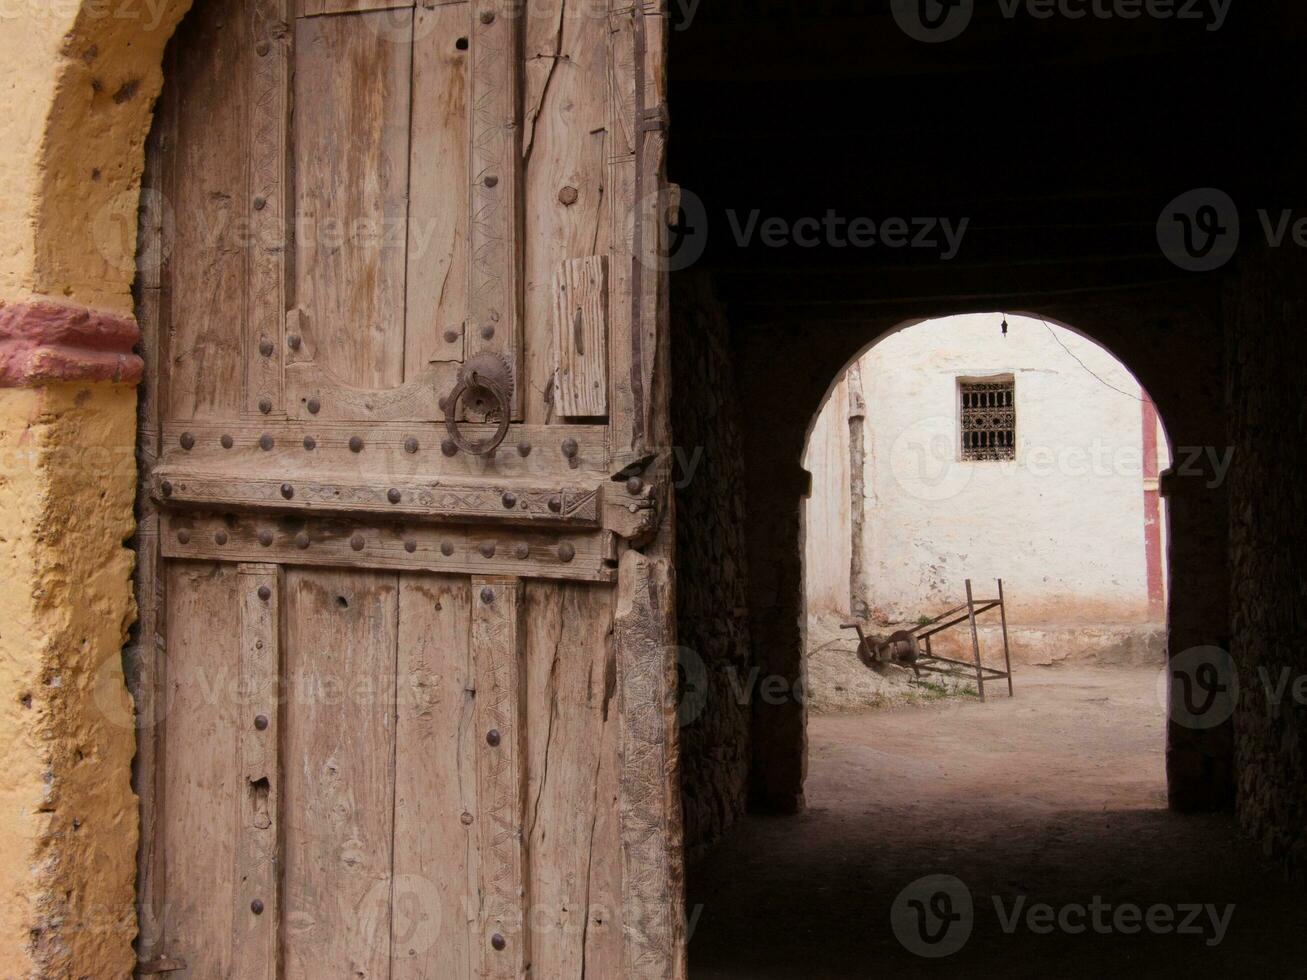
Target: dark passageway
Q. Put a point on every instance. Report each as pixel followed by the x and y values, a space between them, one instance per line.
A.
pixel 1056 166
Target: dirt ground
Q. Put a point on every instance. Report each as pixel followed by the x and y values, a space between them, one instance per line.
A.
pixel 838 681
pixel 1054 797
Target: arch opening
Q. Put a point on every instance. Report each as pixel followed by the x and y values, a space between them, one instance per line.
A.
pixel 967 451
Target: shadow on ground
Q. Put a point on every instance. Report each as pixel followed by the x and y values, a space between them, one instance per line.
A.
pixel 1056 797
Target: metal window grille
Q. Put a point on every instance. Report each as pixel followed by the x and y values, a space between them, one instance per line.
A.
pixel 989 420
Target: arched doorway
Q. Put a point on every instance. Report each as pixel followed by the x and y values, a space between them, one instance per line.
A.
pixel 985 447
pixel 881 816
pixel 787 371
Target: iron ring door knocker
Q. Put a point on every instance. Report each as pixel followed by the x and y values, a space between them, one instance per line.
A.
pixel 487 380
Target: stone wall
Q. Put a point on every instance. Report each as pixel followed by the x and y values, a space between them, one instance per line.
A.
pixel 1266 309
pixel 710 561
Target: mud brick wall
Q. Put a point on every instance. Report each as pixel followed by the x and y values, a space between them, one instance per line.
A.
pixel 712 583
pixel 1266 319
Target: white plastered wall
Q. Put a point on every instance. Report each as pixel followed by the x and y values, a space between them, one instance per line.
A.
pixel 1063 525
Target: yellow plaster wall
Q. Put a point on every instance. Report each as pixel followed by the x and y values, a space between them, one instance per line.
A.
pixel 78 79
pixel 29 49
pixel 90 165
pixel 21 780
pixel 68 830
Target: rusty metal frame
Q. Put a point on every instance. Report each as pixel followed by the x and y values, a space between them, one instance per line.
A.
pixel 925 659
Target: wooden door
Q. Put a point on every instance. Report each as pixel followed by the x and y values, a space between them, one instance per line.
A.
pixel 407 699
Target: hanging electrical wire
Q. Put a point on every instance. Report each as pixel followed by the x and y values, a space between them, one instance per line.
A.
pixel 1052 333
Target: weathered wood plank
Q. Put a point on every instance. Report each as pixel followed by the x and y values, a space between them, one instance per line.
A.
pixel 650 233
pixel 339 766
pixel 638 274
pixel 498 656
pixel 308 385
pixel 571 506
pixel 495 238
pixel 201 774
pixel 533 450
pixel 347 543
pixel 352 107
pixel 313 8
pixel 438 190
pixel 255 951
pixel 623 105
pixel 144 663
pixel 652 872
pixel 435 932
pixel 564 175
pixel 662 542
pixel 146 678
pixel 626 411
pixel 605 945
pixel 571 736
pixel 654 14
pixel 150 311
pixel 269 189
pixel 581 337
pixel 206 270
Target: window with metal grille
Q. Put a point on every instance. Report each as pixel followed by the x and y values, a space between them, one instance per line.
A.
pixel 989 419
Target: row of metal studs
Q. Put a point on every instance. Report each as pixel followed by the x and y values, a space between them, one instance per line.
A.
pixel 569 447
pixel 521 551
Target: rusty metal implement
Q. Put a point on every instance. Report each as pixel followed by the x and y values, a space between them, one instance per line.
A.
pixel 911 648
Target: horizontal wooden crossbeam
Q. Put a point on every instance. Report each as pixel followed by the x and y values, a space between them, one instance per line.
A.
pixel 506 501
pixel 584 556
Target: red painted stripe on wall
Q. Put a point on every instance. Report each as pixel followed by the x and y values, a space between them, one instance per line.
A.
pixel 44 342
pixel 1152 511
